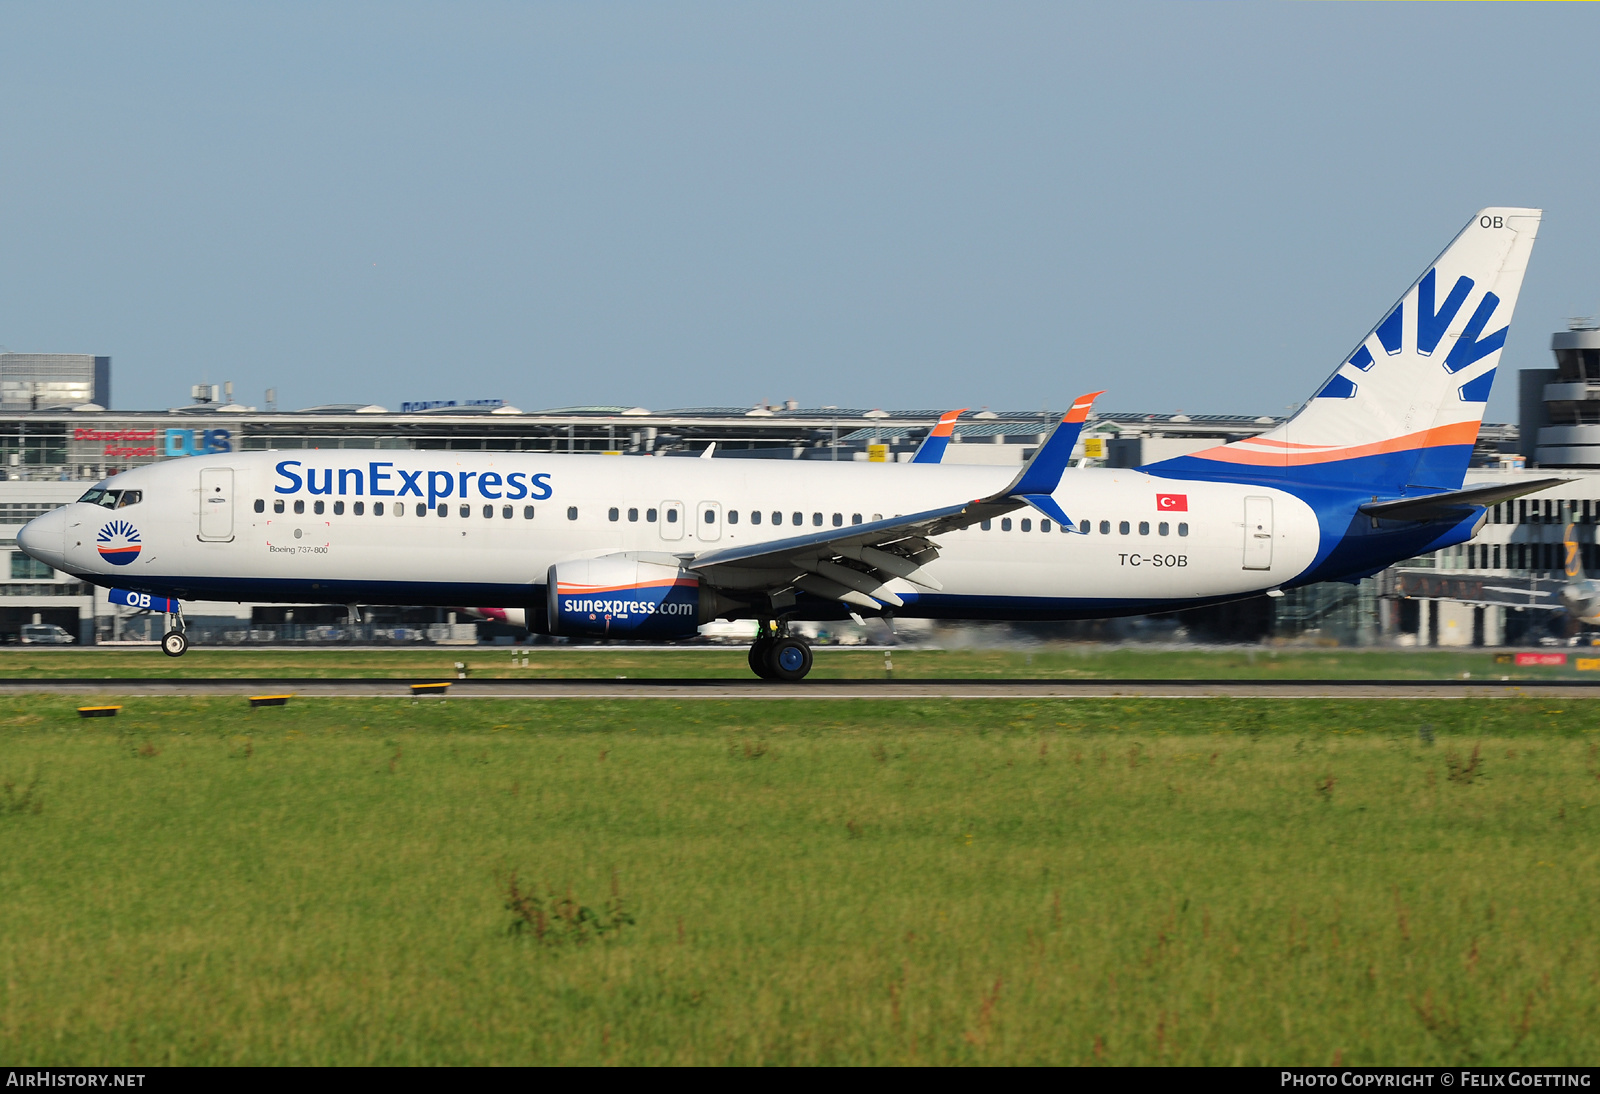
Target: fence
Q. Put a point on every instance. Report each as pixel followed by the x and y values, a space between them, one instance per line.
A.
pixel 148 629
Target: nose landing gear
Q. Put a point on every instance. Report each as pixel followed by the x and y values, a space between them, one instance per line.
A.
pixel 174 643
pixel 781 656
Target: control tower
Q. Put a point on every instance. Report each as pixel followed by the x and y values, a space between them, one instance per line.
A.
pixel 1560 407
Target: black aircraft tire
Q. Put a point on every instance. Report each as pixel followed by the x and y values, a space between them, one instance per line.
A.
pixel 758 657
pixel 173 644
pixel 788 660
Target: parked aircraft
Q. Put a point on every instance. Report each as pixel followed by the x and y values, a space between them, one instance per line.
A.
pixel 1369 472
pixel 1581 594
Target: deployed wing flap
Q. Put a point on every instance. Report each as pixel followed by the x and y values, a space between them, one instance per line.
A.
pixel 1435 506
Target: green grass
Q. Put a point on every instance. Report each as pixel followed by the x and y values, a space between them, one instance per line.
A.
pixel 1208 881
pixel 1053 662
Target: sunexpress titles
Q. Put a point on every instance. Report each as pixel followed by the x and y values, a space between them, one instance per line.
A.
pixel 382 479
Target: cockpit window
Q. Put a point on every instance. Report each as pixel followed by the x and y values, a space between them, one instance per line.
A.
pixel 130 497
pixel 109 499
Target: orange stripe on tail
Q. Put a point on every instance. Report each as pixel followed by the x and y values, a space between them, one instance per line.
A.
pixel 1438 437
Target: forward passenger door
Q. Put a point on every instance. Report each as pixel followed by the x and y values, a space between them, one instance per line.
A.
pixel 216 504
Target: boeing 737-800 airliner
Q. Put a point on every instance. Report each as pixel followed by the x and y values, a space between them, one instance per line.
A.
pixel 1370 471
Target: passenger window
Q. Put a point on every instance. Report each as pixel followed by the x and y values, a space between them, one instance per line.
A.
pixel 1105 528
pixel 466 510
pixel 733 516
pixel 855 518
pixel 572 513
pixel 1027 525
pixel 799 518
pixel 672 516
pixel 1144 528
pixel 633 516
pixel 1083 527
pixel 358 507
pixel 838 520
pixel 444 510
pixel 338 508
pixel 422 510
pixel 277 505
pixel 377 508
pixel 711 516
pixel 527 512
pixel 1183 529
pixel 1122 528
pixel 299 505
pixel 1005 524
pixel 777 518
pixel 613 514
pixel 1044 526
pixel 317 507
pixel 876 517
pixel 649 515
pixel 1163 528
pixel 261 506
pixel 488 512
pixel 986 525
pixel 816 519
pixel 505 512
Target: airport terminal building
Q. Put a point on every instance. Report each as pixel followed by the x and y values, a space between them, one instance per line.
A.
pixel 58 435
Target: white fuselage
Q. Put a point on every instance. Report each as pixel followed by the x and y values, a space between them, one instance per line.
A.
pixel 211 527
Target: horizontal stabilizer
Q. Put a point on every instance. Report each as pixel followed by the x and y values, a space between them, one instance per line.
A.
pixel 1437 506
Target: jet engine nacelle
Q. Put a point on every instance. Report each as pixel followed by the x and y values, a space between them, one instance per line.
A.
pixel 625 596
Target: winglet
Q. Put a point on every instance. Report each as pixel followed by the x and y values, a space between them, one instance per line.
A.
pixel 938 439
pixel 1042 474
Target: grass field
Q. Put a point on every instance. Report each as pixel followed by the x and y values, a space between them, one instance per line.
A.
pixel 1057 661
pixel 1206 881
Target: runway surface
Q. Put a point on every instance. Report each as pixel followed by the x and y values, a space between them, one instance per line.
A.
pixel 622 688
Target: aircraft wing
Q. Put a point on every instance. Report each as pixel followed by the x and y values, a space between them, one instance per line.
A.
pixel 855 563
pixel 1437 506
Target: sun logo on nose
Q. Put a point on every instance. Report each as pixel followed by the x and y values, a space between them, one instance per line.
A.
pixel 118 543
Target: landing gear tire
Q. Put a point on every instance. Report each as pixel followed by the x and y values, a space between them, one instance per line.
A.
pixel 758 658
pixel 788 660
pixel 173 643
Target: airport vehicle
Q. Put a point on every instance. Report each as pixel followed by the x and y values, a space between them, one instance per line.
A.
pixel 44 634
pixel 1368 472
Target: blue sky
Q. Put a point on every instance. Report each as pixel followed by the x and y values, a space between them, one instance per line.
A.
pixel 1196 206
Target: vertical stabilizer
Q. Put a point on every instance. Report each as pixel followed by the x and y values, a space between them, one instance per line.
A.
pixel 1404 407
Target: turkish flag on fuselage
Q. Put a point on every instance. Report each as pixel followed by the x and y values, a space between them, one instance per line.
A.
pixel 1172 503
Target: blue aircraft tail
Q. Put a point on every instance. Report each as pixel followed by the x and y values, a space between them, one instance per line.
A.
pixel 1403 409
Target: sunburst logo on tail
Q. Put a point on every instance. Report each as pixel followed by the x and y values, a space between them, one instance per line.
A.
pixel 118 543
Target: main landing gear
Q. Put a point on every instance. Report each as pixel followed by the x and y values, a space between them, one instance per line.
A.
pixel 781 656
